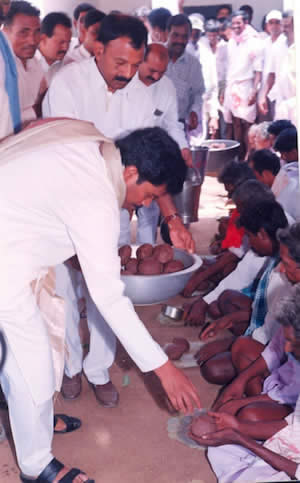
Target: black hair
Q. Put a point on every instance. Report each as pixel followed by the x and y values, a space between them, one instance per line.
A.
pixel 240 13
pixel 116 26
pixel 228 7
pixel 267 215
pixel 159 17
pixel 178 21
pixel 286 141
pixel 263 22
pixel 212 25
pixel 225 24
pixel 288 13
pixel 52 19
pixel 82 7
pixel 235 173
pixel 265 160
pixel 290 237
pixel 249 11
pixel 93 16
pixel 276 127
pixel 20 7
pixel 251 192
pixel 156 156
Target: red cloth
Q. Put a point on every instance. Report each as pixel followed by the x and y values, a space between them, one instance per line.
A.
pixel 234 235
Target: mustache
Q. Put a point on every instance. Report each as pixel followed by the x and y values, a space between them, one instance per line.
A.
pixel 62 52
pixel 122 79
pixel 151 78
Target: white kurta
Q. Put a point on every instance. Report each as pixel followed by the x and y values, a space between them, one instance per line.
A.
pixel 49 70
pixel 78 54
pixel 59 210
pixel 286 189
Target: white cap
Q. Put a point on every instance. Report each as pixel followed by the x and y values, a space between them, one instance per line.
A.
pixel 274 15
pixel 197 22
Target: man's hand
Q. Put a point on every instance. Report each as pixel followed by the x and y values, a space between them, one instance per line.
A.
pixel 212 330
pixel 196 279
pixel 213 126
pixel 194 314
pixel 192 121
pixel 218 438
pixel 224 420
pixel 180 236
pixel 187 156
pixel 233 406
pixel 181 392
pixel 234 391
pixel 252 97
pixel 263 105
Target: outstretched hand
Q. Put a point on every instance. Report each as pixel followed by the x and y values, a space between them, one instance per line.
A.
pixel 194 314
pixel 218 438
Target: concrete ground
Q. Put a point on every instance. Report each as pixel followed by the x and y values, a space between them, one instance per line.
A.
pixel 130 443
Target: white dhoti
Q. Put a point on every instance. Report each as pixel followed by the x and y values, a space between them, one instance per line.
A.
pixel 236 101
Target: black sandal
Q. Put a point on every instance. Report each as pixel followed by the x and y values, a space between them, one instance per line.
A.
pixel 51 471
pixel 71 423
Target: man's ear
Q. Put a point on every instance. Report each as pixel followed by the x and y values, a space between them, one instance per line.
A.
pixel 98 49
pixel 130 172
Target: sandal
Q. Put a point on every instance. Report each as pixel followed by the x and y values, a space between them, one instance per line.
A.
pixel 51 471
pixel 71 423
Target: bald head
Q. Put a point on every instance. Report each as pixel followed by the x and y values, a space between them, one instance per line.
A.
pixel 154 65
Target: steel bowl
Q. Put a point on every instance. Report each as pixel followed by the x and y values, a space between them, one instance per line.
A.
pixel 153 289
pixel 218 157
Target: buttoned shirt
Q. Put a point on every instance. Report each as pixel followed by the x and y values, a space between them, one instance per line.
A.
pixel 77 54
pixel 244 59
pixel 49 70
pixel 186 75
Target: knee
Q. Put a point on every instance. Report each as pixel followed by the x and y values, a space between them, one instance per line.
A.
pixel 218 369
pixel 249 414
pixel 225 301
pixel 238 348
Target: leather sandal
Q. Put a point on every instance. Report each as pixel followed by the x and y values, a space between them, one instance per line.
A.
pixel 71 423
pixel 51 471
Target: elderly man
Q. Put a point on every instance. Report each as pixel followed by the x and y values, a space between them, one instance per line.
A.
pixel 115 105
pixel 243 80
pixel 91 27
pixel 185 72
pixel 56 32
pixel 275 38
pixel 58 212
pixel 22 32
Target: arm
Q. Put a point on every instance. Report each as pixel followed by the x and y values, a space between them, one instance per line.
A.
pixel 263 106
pixel 180 236
pixel 197 86
pixel 256 85
pixel 59 102
pixel 225 322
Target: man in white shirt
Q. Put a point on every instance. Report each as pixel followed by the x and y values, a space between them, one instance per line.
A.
pixel 185 72
pixel 243 80
pixel 79 13
pixel 157 21
pixel 91 27
pixel 56 32
pixel 274 27
pixel 115 105
pixel 70 204
pixel 22 29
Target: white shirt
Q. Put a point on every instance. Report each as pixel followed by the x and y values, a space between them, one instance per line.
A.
pixel 209 70
pixel 79 91
pixel 244 59
pixel 49 70
pixel 67 204
pixel 278 53
pixel 268 47
pixel 240 278
pixel 165 109
pixel 221 58
pixel 6 125
pixel 286 189
pixel 77 54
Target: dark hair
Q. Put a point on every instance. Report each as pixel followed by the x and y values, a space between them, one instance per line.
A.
pixel 159 17
pixel 235 173
pixel 249 11
pixel 288 310
pixel 288 14
pixel 156 156
pixel 228 7
pixel 212 25
pixel 265 160
pixel 178 21
pixel 92 17
pixel 268 215
pixel 251 192
pixel 240 13
pixel 290 237
pixel 116 26
pixel 82 7
pixel 52 19
pixel 263 22
pixel 276 127
pixel 225 24
pixel 286 141
pixel 20 7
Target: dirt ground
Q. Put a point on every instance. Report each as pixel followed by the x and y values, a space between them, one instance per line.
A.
pixel 130 443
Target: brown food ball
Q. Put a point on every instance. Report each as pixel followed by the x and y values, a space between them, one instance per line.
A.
pixel 132 265
pixel 125 254
pixel 144 251
pixel 150 267
pixel 203 424
pixel 174 351
pixel 163 253
pixel 181 342
pixel 173 266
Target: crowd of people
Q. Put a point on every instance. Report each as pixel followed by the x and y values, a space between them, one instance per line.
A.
pixel 98 125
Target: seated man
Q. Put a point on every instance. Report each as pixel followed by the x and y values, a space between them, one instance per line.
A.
pixel 278 458
pixel 233 245
pixel 265 165
pixel 245 350
pixel 276 127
